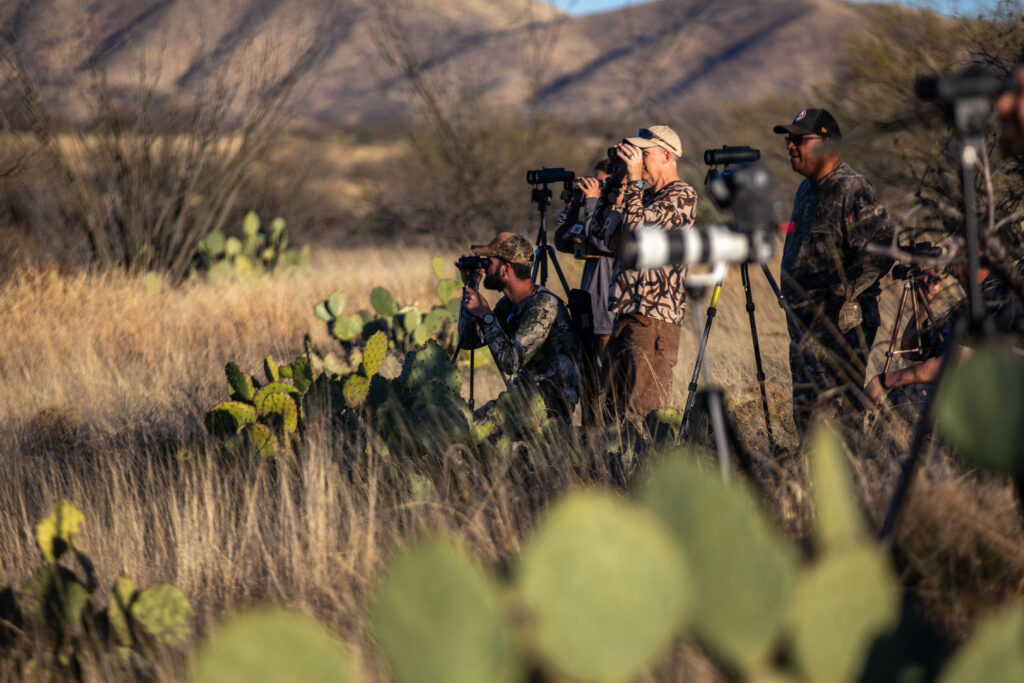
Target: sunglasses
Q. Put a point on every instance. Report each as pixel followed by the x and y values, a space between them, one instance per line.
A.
pixel 801 139
pixel 646 134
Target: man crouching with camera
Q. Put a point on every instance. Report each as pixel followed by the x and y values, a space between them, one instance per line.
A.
pixel 529 331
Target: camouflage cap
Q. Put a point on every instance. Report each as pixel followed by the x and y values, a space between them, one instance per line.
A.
pixel 508 246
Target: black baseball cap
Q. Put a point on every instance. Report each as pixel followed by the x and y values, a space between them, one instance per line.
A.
pixel 812 122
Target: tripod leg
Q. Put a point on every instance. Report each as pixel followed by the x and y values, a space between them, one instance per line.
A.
pixel 558 269
pixel 745 274
pixel 896 328
pixel 692 389
pixel 472 368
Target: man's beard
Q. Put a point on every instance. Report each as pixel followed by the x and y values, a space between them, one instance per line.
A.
pixel 493 282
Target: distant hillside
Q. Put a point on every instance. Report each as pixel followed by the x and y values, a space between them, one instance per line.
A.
pixel 644 59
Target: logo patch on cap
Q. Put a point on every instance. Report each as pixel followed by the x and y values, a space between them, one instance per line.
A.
pixel 800 116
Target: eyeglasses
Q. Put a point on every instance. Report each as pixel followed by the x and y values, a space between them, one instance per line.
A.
pixel 646 134
pixel 801 139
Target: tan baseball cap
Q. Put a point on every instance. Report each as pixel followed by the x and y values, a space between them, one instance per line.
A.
pixel 508 246
pixel 658 136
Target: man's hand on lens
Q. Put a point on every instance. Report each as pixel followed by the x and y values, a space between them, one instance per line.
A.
pixel 475 303
pixel 591 187
pixel 634 160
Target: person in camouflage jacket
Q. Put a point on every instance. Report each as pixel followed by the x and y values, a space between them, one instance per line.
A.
pixel 529 332
pixel 649 304
pixel 828 278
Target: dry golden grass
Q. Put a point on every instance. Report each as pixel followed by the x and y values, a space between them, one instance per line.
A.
pixel 101 371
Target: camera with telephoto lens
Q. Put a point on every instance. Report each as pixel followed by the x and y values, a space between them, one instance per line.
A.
pixel 746 190
pixel 546 176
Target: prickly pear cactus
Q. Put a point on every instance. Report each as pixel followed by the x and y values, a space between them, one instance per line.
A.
pixel 227 417
pixel 383 302
pixel 119 606
pixel 347 327
pixel 356 389
pixel 267 645
pixel 273 388
pixel 663 424
pixel 55 531
pixel 242 388
pixel 280 412
pixel 270 369
pixel 438 617
pixel 626 596
pixel 164 614
pixel 261 440
pixel 521 412
pixel 373 354
pixel 336 304
pixel 429 363
pixel 302 373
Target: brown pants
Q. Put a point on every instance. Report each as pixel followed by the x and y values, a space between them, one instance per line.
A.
pixel 637 375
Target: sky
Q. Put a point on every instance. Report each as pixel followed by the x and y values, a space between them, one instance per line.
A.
pixel 579 7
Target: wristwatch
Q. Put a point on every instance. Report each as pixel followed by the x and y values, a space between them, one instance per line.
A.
pixel 639 184
pixel 488 319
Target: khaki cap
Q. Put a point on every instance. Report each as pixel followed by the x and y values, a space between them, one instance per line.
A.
pixel 658 136
pixel 508 246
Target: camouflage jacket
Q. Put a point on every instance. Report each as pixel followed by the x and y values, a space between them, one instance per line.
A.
pixel 834 219
pixel 534 344
pixel 658 292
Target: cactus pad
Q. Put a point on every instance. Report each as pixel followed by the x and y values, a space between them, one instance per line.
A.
pixel 272 645
pixel 242 388
pixel 213 243
pixel 55 531
pixel 336 303
pixel 302 373
pixel 741 566
pixel 426 364
pixel 280 411
pixel 628 592
pixel 839 521
pixel 448 291
pixel 356 389
pixel 270 369
pixel 321 312
pixel 261 439
pixel 383 302
pixel 164 614
pixel 437 267
pixel 520 411
pixel 251 223
pixel 838 608
pixel 119 609
pixel 420 335
pixel 347 328
pixel 374 352
pixel 411 319
pixel 438 617
pixel 268 390
pixel 993 652
pixel 227 417
pixel 435 320
pixel 663 424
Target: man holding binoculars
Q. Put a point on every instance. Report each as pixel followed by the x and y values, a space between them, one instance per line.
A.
pixel 649 304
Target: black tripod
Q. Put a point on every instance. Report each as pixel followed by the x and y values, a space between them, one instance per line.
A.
pixel 542 197
pixel 913 289
pixel 686 426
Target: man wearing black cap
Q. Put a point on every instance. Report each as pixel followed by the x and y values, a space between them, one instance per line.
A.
pixel 830 281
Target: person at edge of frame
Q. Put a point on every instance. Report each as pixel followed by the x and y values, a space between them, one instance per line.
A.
pixel 1001 305
pixel 829 280
pixel 529 332
pixel 574 234
pixel 650 304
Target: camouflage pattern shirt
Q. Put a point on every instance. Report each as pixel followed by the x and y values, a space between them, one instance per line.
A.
pixel 657 292
pixel 834 219
pixel 533 344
